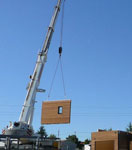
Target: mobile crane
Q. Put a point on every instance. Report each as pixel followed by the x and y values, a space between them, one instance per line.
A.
pixel 24 126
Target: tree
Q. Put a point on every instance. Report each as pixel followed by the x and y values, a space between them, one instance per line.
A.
pixel 75 140
pixel 80 145
pixel 110 129
pixel 52 136
pixel 42 131
pixel 87 141
pixel 129 128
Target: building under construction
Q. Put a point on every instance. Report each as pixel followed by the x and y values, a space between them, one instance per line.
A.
pixel 111 140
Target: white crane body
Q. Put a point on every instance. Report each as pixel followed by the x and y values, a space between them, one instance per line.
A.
pixel 24 125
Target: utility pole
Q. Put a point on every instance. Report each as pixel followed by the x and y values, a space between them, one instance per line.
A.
pixel 58 133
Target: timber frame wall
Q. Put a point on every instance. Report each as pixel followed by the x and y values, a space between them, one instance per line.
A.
pixel 51 113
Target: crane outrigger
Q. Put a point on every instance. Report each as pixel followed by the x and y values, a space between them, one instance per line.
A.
pixel 24 126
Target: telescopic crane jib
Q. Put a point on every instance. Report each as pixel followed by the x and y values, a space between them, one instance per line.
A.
pixel 24 125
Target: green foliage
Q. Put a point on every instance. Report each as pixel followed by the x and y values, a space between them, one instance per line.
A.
pixel 110 129
pixel 52 136
pixel 75 140
pixel 80 145
pixel 42 131
pixel 129 128
pixel 87 141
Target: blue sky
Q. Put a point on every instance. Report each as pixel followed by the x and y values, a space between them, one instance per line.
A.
pixel 96 57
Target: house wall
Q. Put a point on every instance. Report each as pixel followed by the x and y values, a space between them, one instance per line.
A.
pixel 124 140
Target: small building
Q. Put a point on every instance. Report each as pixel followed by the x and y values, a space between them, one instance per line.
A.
pixel 67 145
pixel 111 140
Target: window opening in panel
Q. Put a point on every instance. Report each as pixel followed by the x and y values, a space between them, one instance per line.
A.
pixel 60 110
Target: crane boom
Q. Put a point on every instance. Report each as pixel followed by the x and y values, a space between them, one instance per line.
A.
pixel 28 107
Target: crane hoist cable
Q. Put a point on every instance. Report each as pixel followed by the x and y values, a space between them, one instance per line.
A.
pixel 51 86
pixel 62 76
pixel 60 53
pixel 62 23
pixel 60 48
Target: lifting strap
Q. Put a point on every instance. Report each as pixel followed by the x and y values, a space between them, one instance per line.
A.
pixel 62 75
pixel 51 86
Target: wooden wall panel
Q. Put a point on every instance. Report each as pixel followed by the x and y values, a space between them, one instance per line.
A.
pixel 50 113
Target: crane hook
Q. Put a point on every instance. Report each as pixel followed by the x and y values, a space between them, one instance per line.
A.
pixel 60 50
